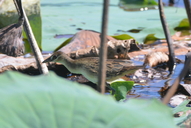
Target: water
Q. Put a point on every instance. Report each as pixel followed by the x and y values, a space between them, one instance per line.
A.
pixel 178 3
pixel 152 88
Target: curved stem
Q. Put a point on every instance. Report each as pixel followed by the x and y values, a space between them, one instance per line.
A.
pixel 37 53
pixel 175 85
pixel 172 63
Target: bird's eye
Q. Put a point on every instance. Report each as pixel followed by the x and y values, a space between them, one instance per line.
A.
pixel 53 57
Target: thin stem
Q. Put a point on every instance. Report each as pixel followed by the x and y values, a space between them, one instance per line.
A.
pixel 37 53
pixel 103 49
pixel 175 85
pixel 172 63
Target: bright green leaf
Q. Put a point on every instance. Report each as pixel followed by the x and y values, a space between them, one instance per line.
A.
pixel 121 88
pixel 183 25
pixel 123 37
pixel 149 39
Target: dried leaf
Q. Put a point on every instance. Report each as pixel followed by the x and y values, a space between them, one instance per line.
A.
pixel 156 58
pixel 82 40
pixel 88 52
pixel 117 49
pixel 177 100
pixel 187 87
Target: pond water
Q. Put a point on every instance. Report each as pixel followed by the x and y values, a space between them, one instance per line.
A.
pixel 152 87
pixel 178 3
pixel 63 17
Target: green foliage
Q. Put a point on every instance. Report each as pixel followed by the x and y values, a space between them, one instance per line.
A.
pixel 183 25
pixel 63 44
pixel 149 39
pixel 140 2
pixel 123 37
pixel 36 25
pixel 121 89
pixel 53 102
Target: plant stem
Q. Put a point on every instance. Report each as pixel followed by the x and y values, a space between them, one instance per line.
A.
pixel 175 85
pixel 37 53
pixel 172 63
pixel 103 49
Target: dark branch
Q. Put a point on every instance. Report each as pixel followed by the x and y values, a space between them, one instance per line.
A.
pixel 172 63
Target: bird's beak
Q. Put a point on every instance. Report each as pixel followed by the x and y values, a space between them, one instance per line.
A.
pixel 47 60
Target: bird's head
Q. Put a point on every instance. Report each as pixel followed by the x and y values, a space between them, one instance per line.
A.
pixel 54 57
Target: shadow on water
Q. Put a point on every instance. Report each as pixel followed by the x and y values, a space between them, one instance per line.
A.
pixel 153 87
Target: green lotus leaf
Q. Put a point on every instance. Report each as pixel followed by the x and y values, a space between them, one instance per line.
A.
pixel 54 102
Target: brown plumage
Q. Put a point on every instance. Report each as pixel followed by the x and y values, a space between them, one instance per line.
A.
pixel 11 36
pixel 88 66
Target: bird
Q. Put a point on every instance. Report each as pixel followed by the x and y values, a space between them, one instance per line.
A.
pixel 11 36
pixel 89 66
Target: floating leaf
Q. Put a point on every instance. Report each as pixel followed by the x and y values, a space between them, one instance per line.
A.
pixel 58 17
pixel 183 25
pixel 123 37
pixel 81 40
pixel 137 30
pixel 149 39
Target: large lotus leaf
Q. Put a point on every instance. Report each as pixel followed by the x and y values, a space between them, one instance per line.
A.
pixel 65 17
pixel 53 102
